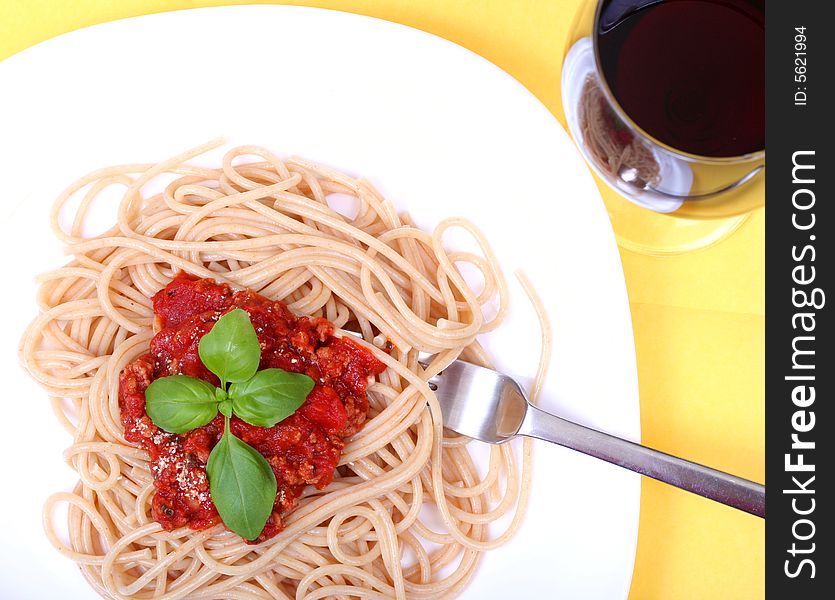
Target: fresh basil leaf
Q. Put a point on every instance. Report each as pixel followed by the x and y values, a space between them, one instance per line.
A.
pixel 225 407
pixel 231 349
pixel 242 485
pixel 180 403
pixel 269 396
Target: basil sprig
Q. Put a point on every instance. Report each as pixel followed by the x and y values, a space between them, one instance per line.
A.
pixel 241 481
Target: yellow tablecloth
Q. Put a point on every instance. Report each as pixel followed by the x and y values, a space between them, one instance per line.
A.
pixel 698 317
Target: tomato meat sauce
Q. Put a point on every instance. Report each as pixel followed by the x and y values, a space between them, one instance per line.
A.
pixel 302 450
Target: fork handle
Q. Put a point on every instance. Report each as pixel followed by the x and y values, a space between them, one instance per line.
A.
pixel 725 488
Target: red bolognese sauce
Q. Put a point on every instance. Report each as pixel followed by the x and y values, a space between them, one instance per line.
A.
pixel 302 450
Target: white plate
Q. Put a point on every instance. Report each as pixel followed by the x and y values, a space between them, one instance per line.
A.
pixel 438 130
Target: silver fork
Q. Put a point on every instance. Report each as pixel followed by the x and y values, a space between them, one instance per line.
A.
pixel 485 405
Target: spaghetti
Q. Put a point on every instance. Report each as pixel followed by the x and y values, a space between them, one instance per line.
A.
pixel 264 223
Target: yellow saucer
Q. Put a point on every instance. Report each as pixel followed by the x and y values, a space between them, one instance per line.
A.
pixel 694 226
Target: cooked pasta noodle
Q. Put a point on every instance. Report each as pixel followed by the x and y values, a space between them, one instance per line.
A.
pixel 264 223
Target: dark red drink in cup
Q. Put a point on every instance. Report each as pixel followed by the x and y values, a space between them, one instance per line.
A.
pixel 689 73
pixel 665 98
